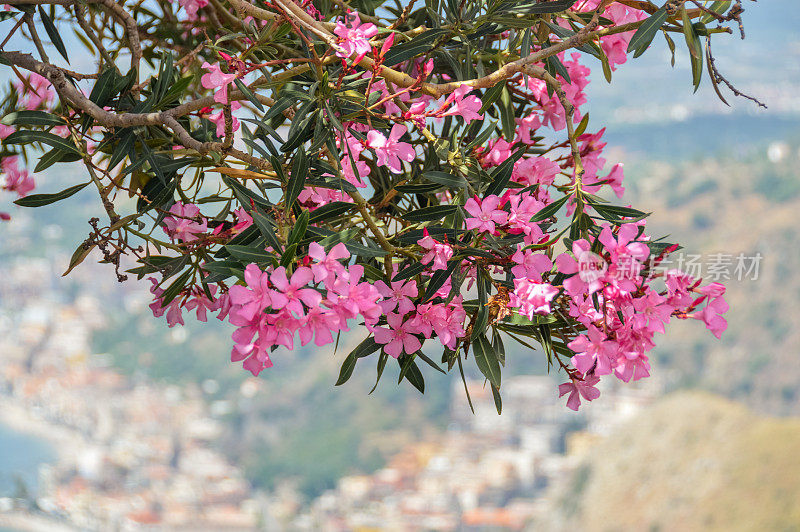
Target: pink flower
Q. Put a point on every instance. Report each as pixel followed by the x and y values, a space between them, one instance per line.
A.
pixel 485 213
pixel 614 180
pixel 581 282
pixel 219 119
pixel 397 295
pixel 530 264
pixel 192 6
pixel 437 252
pixel 593 352
pixel 354 37
pixel 522 207
pixel 217 80
pixel 390 151
pixel 327 266
pixel 711 315
pixel 652 311
pixel 202 303
pixel 16 180
pixel 348 298
pixel 173 308
pixel 41 95
pixel 535 171
pixel 249 301
pixel 527 125
pixel 466 107
pixel 577 388
pixel 396 338
pixel 243 220
pixel 320 323
pixel 184 224
pixel 290 294
pixel 532 297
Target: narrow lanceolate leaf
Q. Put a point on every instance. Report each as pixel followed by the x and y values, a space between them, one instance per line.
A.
pixel 695 49
pixel 299 228
pixel 486 359
pixel 176 287
pixel 39 200
pixel 409 370
pixel 365 348
pixel 443 178
pixel 297 179
pixel 507 114
pixel 78 256
pixel 29 137
pixel 52 32
pixel 52 157
pixel 250 254
pixel 498 402
pixel 32 118
pixel 265 227
pixel 248 94
pixel 502 174
pixel 492 95
pixel 550 210
pixel 427 214
pixel 647 31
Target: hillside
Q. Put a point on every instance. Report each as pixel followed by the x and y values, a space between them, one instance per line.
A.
pixel 714 466
pixel 734 204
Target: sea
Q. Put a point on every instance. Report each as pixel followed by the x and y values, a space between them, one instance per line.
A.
pixel 20 457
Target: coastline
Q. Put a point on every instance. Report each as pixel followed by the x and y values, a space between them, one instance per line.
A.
pixel 65 442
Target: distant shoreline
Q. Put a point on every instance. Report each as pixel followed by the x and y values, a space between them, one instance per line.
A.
pixel 66 443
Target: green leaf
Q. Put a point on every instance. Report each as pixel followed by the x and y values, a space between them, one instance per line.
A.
pixel 299 229
pixel 52 32
pixel 365 348
pixel 346 370
pixel 409 370
pixel 38 200
pixel 265 225
pixel 297 180
pixel 409 272
pixel 647 31
pixel 103 88
pixel 176 287
pixel 32 118
pixel 486 359
pixel 443 178
pixel 427 214
pixel 248 94
pixel 330 210
pixel 420 188
pixel 248 254
pixel 498 402
pixel 54 141
pixel 550 210
pixel 78 256
pixel 502 173
pixel 52 157
pixel 420 44
pixel 439 278
pixel 507 115
pixel 483 312
pixel 288 255
pixel 364 251
pixel 491 96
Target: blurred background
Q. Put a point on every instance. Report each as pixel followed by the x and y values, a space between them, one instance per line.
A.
pixel 109 420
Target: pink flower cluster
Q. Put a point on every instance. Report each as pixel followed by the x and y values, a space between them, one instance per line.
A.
pixel 185 222
pixel 354 37
pixel 14 179
pixel 620 331
pixel 272 306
